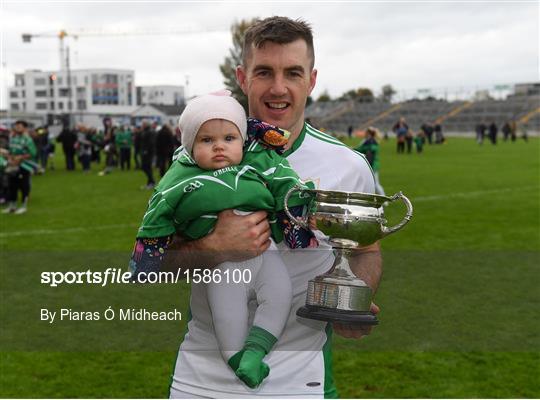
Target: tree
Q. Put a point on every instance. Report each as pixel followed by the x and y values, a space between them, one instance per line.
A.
pixel 324 97
pixel 364 95
pixel 228 68
pixel 350 95
pixel 387 92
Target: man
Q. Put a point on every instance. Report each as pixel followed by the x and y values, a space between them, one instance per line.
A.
pixel 147 148
pixel 277 75
pixel 68 138
pixel 164 148
pixel 21 150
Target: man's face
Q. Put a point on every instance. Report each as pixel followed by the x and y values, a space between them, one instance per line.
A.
pixel 19 128
pixel 277 80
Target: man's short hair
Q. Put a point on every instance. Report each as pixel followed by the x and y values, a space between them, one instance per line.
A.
pixel 280 30
pixel 22 122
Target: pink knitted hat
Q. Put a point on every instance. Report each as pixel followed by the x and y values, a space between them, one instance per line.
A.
pixel 218 105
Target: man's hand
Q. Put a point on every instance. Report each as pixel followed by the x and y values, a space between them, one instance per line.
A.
pixel 234 238
pixel 240 237
pixel 352 332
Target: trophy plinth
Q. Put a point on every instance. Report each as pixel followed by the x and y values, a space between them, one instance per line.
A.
pixel 351 220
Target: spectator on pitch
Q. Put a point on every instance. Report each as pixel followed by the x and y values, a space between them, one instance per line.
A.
pixel 480 133
pixel 19 167
pixel 84 147
pixel 42 144
pixel 401 129
pixel 513 130
pixel 96 137
pixel 4 147
pixel 349 131
pixel 439 137
pixel 427 128
pixel 109 147
pixel 164 148
pixel 419 141
pixel 493 131
pixel 147 148
pixel 68 138
pixel 506 130
pixel 370 148
pixel 124 141
pixel 137 146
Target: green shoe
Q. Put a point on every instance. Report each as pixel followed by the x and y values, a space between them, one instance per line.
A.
pixel 251 371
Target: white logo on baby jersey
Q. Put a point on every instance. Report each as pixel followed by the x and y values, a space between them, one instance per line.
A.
pixel 226 169
pixel 193 186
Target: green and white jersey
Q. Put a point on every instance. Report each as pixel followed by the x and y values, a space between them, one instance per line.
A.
pixel 22 144
pixel 300 362
pixel 188 198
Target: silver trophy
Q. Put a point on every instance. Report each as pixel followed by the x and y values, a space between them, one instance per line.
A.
pixel 351 220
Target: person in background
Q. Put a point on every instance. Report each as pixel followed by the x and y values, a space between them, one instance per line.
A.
pixel 439 137
pixel 370 148
pixel 164 148
pixel 427 128
pixel 401 129
pixel 419 141
pixel 42 144
pixel 68 138
pixel 124 141
pixel 480 133
pixel 513 130
pixel 84 147
pixel 506 130
pixel 493 131
pixel 96 137
pixel 109 147
pixel 20 153
pixel 137 146
pixel 147 148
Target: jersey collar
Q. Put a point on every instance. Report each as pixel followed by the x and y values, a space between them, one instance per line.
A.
pixel 298 142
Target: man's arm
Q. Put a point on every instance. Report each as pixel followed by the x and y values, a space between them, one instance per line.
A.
pixel 366 264
pixel 234 238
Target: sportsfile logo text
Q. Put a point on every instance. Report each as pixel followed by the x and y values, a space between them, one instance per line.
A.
pixel 109 276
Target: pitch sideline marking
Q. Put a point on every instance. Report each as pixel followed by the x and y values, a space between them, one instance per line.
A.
pixel 471 194
pixel 65 230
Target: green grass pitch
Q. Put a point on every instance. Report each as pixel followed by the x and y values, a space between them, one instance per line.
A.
pixel 459 296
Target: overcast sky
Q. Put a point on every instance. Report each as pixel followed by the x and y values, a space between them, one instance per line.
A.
pixel 411 45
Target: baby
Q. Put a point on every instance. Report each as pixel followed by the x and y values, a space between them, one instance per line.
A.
pixel 228 163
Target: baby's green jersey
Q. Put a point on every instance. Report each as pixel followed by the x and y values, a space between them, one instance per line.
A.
pixel 188 198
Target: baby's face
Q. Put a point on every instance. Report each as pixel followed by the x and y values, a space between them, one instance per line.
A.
pixel 218 144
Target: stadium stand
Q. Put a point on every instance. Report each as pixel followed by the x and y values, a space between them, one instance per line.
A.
pixel 459 117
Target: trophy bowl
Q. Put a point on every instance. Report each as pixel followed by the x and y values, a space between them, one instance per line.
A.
pixel 350 220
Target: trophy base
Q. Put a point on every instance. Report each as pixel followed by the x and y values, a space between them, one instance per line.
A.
pixel 333 315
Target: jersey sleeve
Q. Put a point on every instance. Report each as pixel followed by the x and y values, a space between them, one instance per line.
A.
pixel 31 147
pixel 158 221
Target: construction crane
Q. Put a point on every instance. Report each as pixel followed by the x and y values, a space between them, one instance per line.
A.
pixel 63 34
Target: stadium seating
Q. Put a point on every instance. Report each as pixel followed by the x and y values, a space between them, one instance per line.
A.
pixel 456 117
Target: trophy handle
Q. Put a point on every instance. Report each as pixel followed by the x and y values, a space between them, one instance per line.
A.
pixel 296 221
pixel 388 230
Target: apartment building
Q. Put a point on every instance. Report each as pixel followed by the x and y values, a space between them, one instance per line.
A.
pixel 85 91
pixel 168 95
